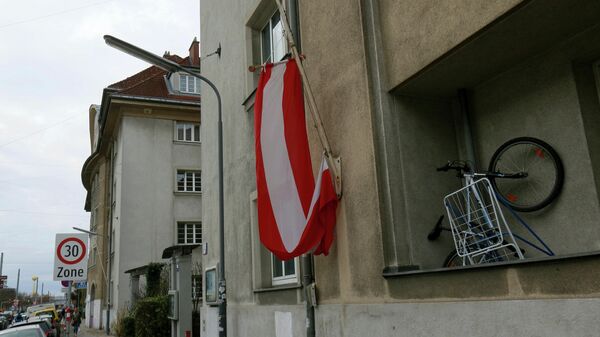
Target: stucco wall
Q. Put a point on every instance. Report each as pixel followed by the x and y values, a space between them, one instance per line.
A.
pixel 540 99
pixel 150 207
pixel 416 33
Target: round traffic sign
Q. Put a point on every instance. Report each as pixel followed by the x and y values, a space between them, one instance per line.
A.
pixel 74 250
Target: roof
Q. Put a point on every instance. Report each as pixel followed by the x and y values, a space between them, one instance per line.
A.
pixel 151 82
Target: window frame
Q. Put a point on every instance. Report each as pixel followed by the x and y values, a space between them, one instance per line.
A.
pixel 196 227
pixel 269 25
pixel 195 173
pixel 184 124
pixel 185 89
pixel 284 279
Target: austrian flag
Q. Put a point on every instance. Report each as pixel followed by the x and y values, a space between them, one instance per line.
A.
pixel 295 215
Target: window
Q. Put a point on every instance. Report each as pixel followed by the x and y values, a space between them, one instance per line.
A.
pixel 273 43
pixel 269 270
pixel 187 132
pixel 94 255
pixel 189 84
pixel 189 233
pixel 189 181
pixel 283 272
pixel 196 286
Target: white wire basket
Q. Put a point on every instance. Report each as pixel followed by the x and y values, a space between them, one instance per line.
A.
pixel 479 229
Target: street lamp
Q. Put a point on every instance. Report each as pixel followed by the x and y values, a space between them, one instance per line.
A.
pixel 173 67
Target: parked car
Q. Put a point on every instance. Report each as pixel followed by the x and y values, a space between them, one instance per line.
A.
pixel 44 325
pixel 3 322
pixel 23 331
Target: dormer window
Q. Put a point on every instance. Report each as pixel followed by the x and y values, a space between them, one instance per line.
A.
pixel 189 84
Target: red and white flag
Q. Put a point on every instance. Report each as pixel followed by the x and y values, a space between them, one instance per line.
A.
pixel 295 215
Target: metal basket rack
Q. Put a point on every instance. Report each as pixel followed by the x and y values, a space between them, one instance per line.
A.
pixel 479 229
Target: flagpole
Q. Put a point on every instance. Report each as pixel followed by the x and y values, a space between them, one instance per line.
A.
pixel 334 162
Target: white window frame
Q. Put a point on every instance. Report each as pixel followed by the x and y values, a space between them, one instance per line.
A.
pixel 183 125
pixel 269 26
pixel 195 226
pixel 184 84
pixel 284 279
pixel 195 174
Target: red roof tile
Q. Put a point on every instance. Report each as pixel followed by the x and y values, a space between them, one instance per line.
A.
pixel 151 82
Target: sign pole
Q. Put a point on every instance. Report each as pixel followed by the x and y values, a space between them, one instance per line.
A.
pixel 69 306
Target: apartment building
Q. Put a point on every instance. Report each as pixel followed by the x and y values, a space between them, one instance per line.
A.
pixel 143 179
pixel 403 87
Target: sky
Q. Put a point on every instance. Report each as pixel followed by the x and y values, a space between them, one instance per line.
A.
pixel 53 66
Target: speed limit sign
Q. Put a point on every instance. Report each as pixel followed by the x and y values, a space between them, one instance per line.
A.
pixel 70 257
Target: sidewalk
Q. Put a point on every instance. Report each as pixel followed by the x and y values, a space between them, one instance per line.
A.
pixel 87 332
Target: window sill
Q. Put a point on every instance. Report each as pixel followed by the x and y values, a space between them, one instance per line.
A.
pixel 391 272
pixel 185 142
pixel 278 288
pixel 187 193
pixel 248 102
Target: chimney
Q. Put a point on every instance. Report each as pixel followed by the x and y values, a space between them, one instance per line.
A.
pixel 195 53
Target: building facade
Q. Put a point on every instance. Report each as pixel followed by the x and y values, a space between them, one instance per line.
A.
pixel 403 87
pixel 143 179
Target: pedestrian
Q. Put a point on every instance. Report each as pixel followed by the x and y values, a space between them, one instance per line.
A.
pixel 76 321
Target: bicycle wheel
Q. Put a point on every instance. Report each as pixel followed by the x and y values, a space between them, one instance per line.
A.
pixel 544 174
pixel 452 260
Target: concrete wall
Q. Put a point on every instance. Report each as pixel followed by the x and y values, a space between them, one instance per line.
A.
pixel 564 317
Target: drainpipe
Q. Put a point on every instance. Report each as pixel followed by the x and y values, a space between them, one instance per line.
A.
pixel 309 293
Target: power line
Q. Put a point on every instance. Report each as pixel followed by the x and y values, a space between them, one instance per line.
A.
pixel 41 213
pixel 40 130
pixel 52 14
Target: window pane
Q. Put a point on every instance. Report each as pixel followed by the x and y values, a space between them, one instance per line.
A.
pixel 182 82
pixel 188 132
pixel 290 267
pixel 197 182
pixel 189 180
pixel 180 181
pixel 277 267
pixel 189 233
pixel 179 132
pixel 278 39
pixel 198 233
pixel 266 43
pixel 196 133
pixel 180 233
pixel 191 84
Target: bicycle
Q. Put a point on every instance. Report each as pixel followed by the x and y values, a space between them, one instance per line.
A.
pixel 525 174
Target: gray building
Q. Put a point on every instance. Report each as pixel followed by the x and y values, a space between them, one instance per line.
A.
pixel 404 86
pixel 143 180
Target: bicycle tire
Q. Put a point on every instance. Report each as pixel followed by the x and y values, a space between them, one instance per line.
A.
pixel 541 150
pixel 452 260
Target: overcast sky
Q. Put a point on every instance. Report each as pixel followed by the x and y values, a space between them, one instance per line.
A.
pixel 53 65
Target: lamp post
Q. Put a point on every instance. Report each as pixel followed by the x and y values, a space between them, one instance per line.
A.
pixel 172 67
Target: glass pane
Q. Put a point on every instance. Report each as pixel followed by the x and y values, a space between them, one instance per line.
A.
pixel 198 233
pixel 290 267
pixel 180 181
pixel 179 132
pixel 278 39
pixel 191 84
pixel 197 182
pixel 180 233
pixel 277 267
pixel 265 40
pixel 189 233
pixel 189 180
pixel 182 82
pixel 196 133
pixel 188 132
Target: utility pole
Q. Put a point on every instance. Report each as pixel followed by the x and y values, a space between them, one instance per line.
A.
pixel 42 294
pixel 1 262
